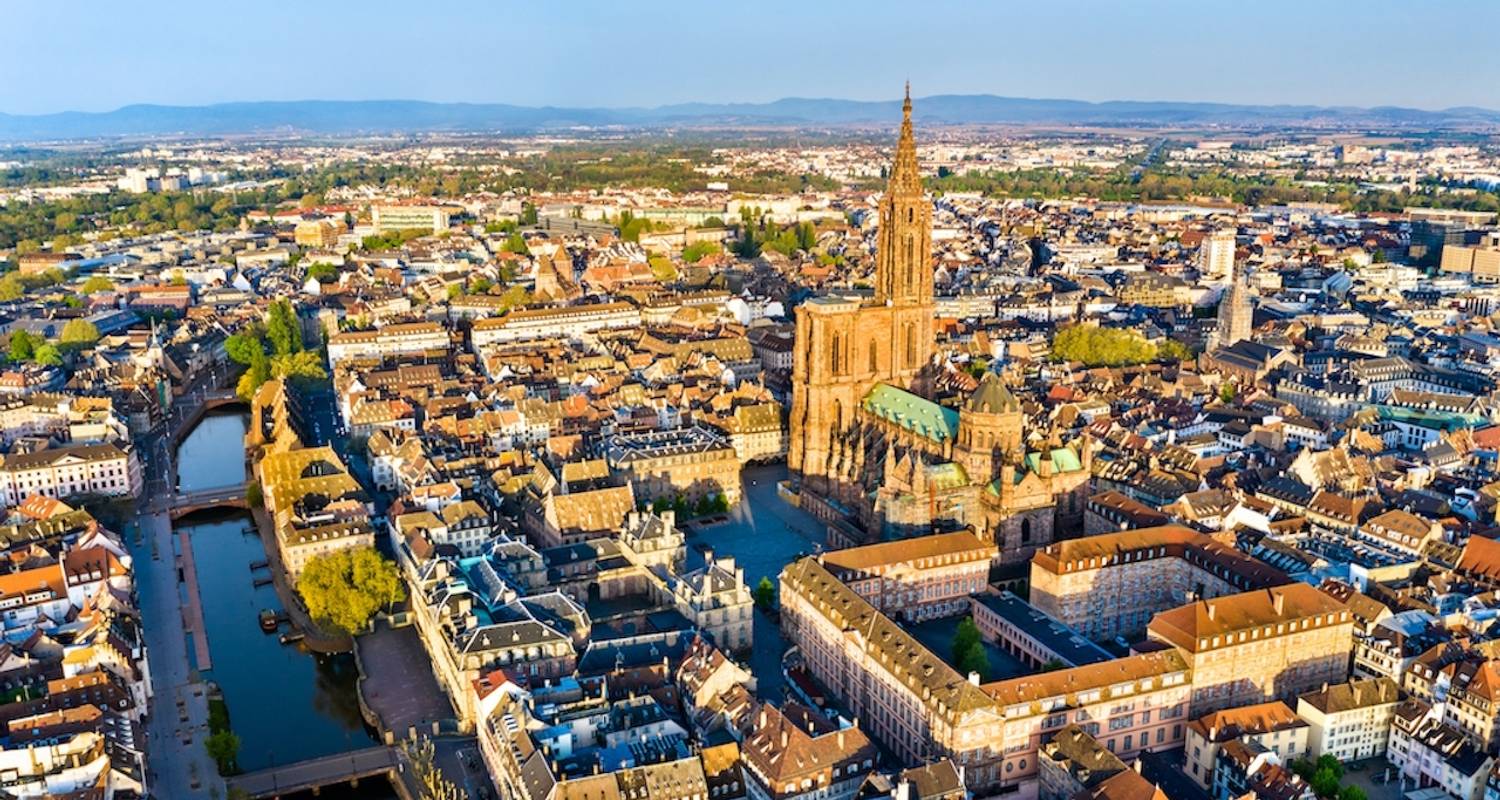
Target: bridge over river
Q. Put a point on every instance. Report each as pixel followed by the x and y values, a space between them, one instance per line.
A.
pixel 316 773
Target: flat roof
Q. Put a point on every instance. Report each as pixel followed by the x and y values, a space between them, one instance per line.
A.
pixel 1068 644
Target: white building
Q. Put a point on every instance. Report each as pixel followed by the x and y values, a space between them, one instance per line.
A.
pixel 1350 721
pixel 98 469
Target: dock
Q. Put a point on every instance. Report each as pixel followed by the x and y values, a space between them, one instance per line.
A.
pixel 192 613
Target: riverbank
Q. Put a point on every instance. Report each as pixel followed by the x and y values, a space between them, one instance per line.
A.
pixel 314 637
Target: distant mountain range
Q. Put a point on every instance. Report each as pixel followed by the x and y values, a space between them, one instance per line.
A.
pixel 409 116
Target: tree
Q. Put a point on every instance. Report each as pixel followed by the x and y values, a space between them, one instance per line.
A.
pixel 22 345
pixel 11 287
pixel 1096 346
pixel 79 333
pixel 1325 783
pixel 528 214
pixel 224 748
pixel 258 373
pixel 662 269
pixel 283 330
pixel 347 587
pixel 695 252
pixel 514 296
pixel 1173 350
pixel 1331 764
pixel 765 593
pixel 1352 793
pixel 975 660
pixel 1227 392
pixel 516 243
pixel 96 284
pixel 323 272
pixel 242 346
pixel 304 367
pixel 48 355
pixel 253 494
pixel 965 638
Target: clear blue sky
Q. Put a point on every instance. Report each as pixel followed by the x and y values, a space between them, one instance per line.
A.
pixel 101 54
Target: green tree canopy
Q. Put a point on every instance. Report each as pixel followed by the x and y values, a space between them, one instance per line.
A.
pixel 224 748
pixel 79 333
pixel 515 243
pixel 96 284
pixel 303 367
pixel 695 252
pixel 1096 346
pixel 11 287
pixel 48 355
pixel 975 660
pixel 347 587
pixel 23 345
pixel 323 272
pixel 965 638
pixel 283 330
pixel 765 593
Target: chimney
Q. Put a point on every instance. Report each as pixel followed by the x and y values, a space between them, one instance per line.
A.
pixel 1278 599
pixel 1212 609
pixel 841 738
pixel 974 678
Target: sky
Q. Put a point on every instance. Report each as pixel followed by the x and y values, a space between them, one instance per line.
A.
pixel 97 55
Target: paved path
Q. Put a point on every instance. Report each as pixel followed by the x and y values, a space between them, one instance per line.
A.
pixel 178 721
pixel 192 611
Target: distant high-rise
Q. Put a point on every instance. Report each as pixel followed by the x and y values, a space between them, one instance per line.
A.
pixel 1216 255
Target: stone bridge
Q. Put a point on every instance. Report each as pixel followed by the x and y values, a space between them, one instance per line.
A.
pixel 185 503
pixel 316 773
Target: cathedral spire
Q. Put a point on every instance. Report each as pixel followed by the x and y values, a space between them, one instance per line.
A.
pixel 904 175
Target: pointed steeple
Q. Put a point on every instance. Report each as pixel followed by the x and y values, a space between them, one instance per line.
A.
pixel 903 249
pixel 904 175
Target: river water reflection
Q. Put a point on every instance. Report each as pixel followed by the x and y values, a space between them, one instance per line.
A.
pixel 285 703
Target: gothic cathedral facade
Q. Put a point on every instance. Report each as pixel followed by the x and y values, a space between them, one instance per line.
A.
pixel 870 452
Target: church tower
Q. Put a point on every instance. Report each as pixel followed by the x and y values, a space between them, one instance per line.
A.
pixel 1234 323
pixel 844 346
pixel 903 259
pixel 903 253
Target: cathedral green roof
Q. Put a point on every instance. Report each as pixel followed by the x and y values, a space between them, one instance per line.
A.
pixel 1063 460
pixel 916 414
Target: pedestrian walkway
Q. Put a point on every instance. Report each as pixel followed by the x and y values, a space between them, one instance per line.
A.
pixel 192 612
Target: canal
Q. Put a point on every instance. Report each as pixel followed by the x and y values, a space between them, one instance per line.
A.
pixel 285 703
pixel 764 533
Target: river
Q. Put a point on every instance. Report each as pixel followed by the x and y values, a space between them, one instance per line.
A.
pixel 285 703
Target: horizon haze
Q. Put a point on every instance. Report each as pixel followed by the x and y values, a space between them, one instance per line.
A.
pixel 596 55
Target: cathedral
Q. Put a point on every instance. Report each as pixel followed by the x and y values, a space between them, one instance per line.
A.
pixel 872 453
